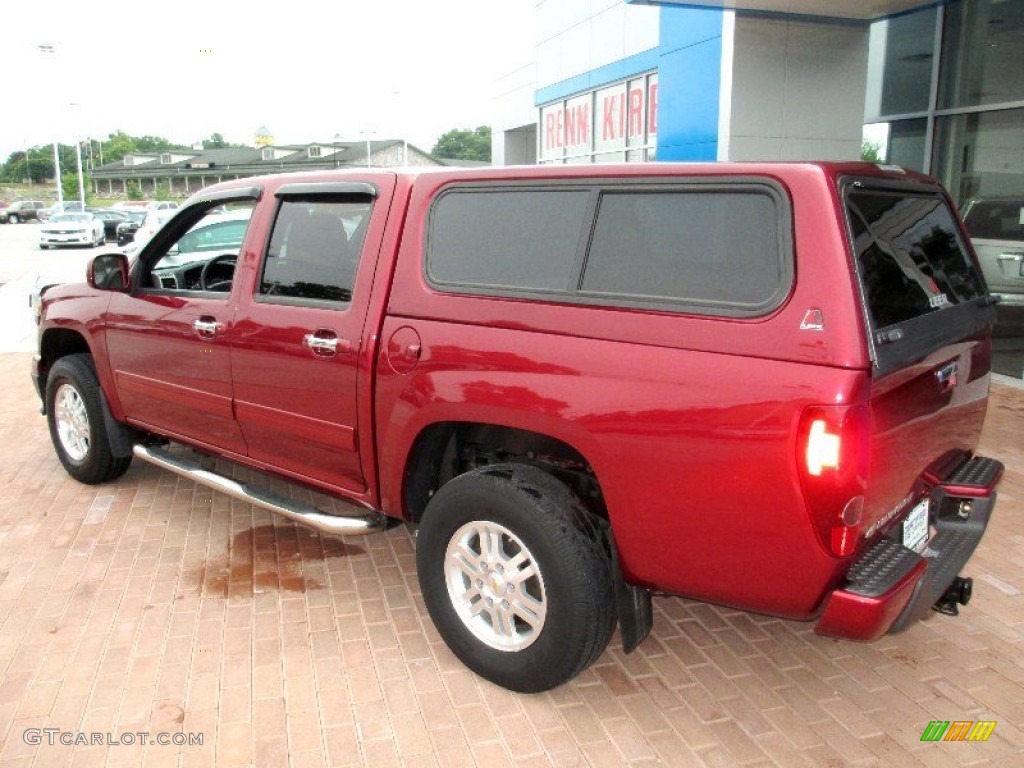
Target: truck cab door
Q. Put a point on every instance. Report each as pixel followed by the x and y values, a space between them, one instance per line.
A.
pixel 167 337
pixel 298 339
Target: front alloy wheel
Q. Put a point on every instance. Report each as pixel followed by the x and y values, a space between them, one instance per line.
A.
pixel 74 410
pixel 72 421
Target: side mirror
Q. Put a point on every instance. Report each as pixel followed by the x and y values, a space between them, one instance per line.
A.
pixel 108 272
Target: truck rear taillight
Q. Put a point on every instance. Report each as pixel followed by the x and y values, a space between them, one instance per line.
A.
pixel 833 454
pixel 822 448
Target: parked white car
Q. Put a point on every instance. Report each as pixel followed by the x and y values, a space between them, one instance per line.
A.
pixel 71 229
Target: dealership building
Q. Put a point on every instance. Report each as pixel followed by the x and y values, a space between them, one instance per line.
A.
pixel 937 86
pixel 940 84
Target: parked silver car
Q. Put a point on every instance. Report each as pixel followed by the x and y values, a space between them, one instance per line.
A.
pixel 996 226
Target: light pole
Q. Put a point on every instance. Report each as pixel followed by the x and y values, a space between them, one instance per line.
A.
pixel 337 138
pixel 81 178
pixel 48 49
pixel 78 158
pixel 56 172
pixel 400 123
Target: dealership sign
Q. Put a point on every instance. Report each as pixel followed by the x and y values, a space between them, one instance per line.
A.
pixel 612 123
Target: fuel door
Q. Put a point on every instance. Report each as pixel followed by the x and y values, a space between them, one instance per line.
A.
pixel 404 349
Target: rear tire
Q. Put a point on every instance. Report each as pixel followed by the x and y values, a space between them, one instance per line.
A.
pixel 516 576
pixel 74 412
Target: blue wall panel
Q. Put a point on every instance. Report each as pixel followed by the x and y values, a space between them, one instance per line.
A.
pixel 689 80
pixel 610 73
pixel 689 63
pixel 683 27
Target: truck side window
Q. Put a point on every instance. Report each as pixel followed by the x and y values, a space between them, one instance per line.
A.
pixel 314 249
pixel 203 255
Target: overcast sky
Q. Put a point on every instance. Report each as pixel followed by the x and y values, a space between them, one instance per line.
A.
pixel 306 70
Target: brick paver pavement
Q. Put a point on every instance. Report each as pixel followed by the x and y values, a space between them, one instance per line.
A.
pixel 151 605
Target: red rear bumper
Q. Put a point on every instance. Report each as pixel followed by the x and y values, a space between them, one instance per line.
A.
pixel 856 617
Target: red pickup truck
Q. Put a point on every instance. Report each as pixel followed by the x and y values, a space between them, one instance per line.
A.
pixel 758 385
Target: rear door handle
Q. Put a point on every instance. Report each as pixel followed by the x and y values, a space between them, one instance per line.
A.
pixel 324 343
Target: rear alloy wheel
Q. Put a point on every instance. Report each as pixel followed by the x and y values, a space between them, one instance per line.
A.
pixel 516 576
pixel 74 411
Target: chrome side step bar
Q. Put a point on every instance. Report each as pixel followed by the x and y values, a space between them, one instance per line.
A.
pixel 294 510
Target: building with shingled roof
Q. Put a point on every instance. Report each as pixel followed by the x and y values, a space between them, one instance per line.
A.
pixel 186 171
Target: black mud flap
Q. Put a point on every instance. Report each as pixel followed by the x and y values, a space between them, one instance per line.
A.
pixel 122 437
pixel 633 604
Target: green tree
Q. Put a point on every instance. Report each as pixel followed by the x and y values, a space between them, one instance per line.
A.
pixel 162 191
pixel 69 184
pixel 37 169
pixel 217 141
pixel 112 150
pixel 871 151
pixel 459 144
pixel 16 168
pixel 118 144
pixel 134 191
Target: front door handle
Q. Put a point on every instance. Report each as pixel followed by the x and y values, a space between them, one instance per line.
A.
pixel 207 327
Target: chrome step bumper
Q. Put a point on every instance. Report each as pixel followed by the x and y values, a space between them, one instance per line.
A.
pixel 303 514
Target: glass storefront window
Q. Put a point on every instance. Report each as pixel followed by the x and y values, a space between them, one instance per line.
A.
pixel 906 143
pixel 976 151
pixel 980 158
pixel 982 51
pixel 614 123
pixel 980 154
pixel 901 142
pixel 900 56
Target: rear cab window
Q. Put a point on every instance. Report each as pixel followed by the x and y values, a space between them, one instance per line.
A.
pixel 920 286
pixel 314 250
pixel 315 245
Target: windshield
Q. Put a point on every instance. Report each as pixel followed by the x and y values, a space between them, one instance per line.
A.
pixel 909 254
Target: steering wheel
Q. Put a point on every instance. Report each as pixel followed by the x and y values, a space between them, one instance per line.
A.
pixel 205 276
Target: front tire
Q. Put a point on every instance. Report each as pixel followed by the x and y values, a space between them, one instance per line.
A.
pixel 13 218
pixel 74 412
pixel 516 576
